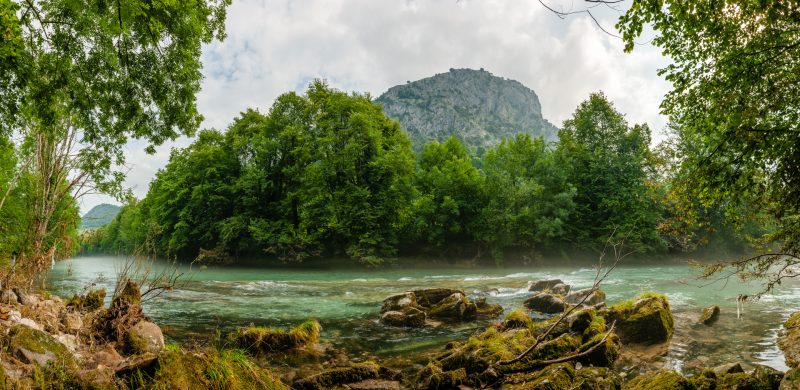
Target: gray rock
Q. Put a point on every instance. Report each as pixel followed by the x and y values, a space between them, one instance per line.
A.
pixel 546 303
pixel 399 302
pixel 560 289
pixel 729 368
pixel 409 317
pixel 150 333
pixel 710 315
pixel 542 285
pixel 595 297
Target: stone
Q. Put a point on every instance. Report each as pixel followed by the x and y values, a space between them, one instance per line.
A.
pixel 374 384
pixel 543 285
pixel 546 303
pixel 790 381
pixel 36 347
pixel 789 340
pixel 767 376
pixel 143 337
pixel 560 289
pixel 107 357
pixel 646 320
pixel 338 376
pixel 8 297
pixel 455 307
pixel 68 340
pixel 409 317
pixel 486 309
pixel 658 380
pixel 399 302
pixel 72 322
pixel 432 296
pixel 728 368
pixel 710 315
pixel 136 363
pixel 595 297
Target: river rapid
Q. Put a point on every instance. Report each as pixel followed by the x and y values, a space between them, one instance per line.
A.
pixel 347 303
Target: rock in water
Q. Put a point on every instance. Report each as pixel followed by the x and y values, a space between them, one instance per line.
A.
pixel 408 317
pixel 542 285
pixel 710 315
pixel 546 303
pixel 595 297
pixel 645 320
pixel 789 340
pixel 560 289
pixel 455 307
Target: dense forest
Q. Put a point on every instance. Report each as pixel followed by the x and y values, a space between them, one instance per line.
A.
pixel 327 174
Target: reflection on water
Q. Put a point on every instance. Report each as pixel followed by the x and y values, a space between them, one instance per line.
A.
pixel 347 303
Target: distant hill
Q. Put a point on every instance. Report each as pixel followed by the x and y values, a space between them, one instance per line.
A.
pixel 477 107
pixel 99 216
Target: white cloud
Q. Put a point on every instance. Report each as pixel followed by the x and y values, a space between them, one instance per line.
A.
pixel 275 46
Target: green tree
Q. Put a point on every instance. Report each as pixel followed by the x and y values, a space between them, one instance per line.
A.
pixel 80 79
pixel 734 73
pixel 528 196
pixel 448 199
pixel 609 167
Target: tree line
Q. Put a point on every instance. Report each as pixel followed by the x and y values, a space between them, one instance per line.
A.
pixel 327 174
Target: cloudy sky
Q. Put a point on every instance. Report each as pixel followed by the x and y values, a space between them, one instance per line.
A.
pixel 275 46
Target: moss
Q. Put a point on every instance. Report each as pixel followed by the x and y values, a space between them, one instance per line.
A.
pixel 517 319
pixel 596 327
pixel 133 343
pixel 433 377
pixel 553 377
pixel 740 380
pixel 645 319
pixel 339 376
pixel 130 295
pixel 706 380
pixel 20 336
pixel 267 340
pixel 658 380
pixel 581 320
pixel 203 369
pixel 603 356
pixel 789 340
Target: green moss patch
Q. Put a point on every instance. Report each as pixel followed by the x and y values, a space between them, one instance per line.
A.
pixel 262 340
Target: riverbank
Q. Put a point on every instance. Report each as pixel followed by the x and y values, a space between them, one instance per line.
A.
pixel 82 343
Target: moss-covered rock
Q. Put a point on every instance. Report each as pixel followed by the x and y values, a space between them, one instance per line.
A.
pixel 593 297
pixel 789 340
pixel 339 376
pixel 456 307
pixel 143 337
pixel 767 376
pixel 597 378
pixel 553 377
pixel 546 303
pixel 37 347
pixel 644 320
pixel 658 380
pixel 705 380
pixel 260 340
pixel 432 377
pixel 516 319
pixel 488 310
pixel 790 381
pixel 605 352
pixel 92 301
pixel 408 317
pixel 710 315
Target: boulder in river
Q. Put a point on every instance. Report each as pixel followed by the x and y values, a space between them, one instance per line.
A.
pixel 546 303
pixel 409 317
pixel 593 297
pixel 455 307
pixel 414 308
pixel 710 315
pixel 545 285
pixel 789 340
pixel 644 320
pixel 560 289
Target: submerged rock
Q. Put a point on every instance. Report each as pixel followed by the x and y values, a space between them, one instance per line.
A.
pixel 644 320
pixel 789 340
pixel 710 315
pixel 546 303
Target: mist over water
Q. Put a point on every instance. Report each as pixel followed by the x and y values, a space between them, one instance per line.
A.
pixel 347 304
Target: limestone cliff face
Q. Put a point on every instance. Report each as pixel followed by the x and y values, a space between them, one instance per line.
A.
pixel 479 108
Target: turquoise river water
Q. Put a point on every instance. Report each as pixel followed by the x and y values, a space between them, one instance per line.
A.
pixel 347 304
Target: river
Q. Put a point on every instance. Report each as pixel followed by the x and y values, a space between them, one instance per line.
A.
pixel 347 302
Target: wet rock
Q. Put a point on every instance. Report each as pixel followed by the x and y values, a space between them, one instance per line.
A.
pixel 546 303
pixel 729 368
pixel 408 317
pixel 790 381
pixel 595 297
pixel 374 384
pixel 37 347
pixel 542 285
pixel 789 340
pixel 143 337
pixel 399 302
pixel 767 376
pixel 710 315
pixel 560 289
pixel 658 380
pixel 455 307
pixel 339 376
pixel 432 296
pixel 645 320
pixel 486 309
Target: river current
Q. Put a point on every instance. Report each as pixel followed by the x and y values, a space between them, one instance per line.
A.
pixel 347 302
